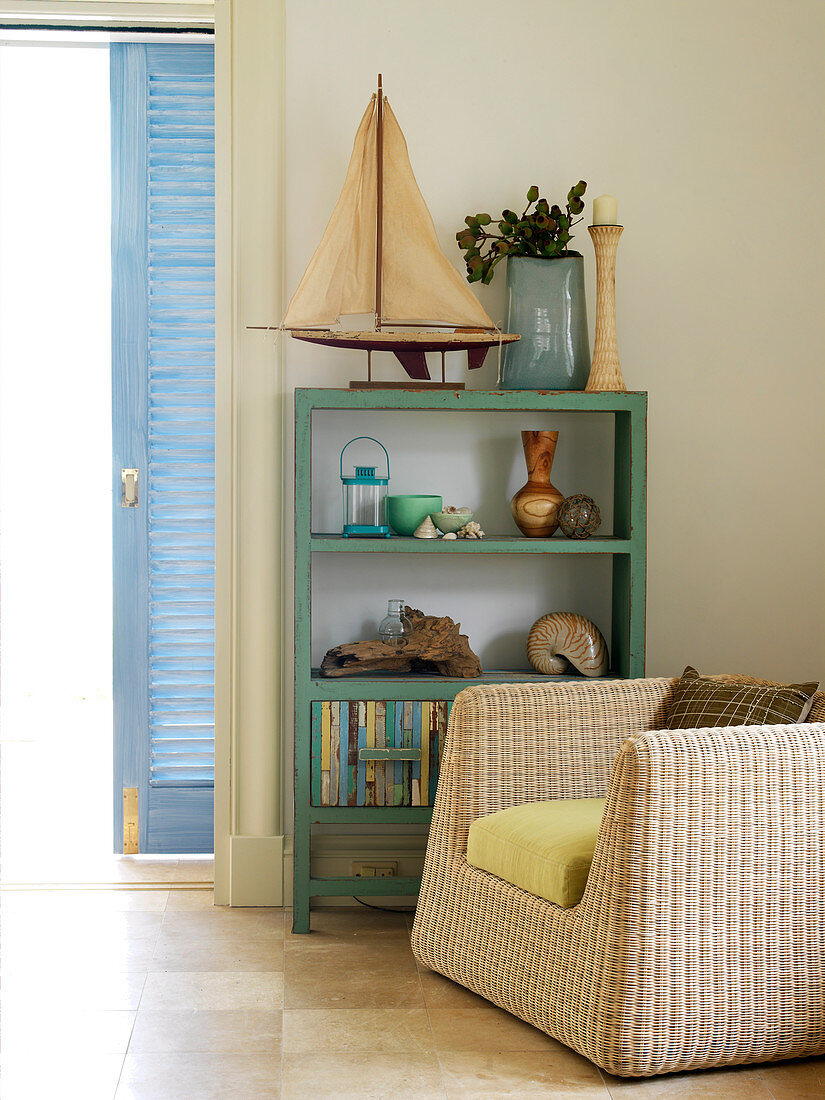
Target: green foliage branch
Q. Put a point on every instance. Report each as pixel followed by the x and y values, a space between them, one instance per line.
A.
pixel 543 231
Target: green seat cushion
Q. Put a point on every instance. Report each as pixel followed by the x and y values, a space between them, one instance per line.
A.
pixel 545 848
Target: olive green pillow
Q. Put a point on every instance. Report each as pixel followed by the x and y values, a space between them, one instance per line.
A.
pixel 701 702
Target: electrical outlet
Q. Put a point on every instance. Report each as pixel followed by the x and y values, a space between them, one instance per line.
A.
pixel 375 870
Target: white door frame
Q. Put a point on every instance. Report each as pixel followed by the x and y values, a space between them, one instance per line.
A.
pixel 249 416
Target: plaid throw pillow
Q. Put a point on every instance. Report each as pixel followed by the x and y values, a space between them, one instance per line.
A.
pixel 700 702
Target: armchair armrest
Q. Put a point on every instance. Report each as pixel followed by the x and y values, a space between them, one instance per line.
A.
pixel 708 880
pixel 714 818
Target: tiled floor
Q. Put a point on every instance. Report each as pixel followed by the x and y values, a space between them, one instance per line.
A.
pixel 153 994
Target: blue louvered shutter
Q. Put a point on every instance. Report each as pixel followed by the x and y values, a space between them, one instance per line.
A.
pixel 163 382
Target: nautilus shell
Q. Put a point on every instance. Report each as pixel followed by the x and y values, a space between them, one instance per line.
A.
pixel 564 636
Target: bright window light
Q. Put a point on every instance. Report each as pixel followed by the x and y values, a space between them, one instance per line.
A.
pixel 55 461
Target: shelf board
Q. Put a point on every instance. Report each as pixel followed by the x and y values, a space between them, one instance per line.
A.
pixel 366 887
pixel 492 544
pixel 360 815
pixel 416 686
pixel 472 400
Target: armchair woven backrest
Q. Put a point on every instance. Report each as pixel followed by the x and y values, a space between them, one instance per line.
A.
pixel 528 743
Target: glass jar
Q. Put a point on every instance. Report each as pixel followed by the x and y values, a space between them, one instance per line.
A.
pixel 395 628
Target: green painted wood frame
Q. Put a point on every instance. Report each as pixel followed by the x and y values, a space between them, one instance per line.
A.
pixel 628 548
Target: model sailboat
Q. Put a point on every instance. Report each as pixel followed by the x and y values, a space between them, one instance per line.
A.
pixel 380 255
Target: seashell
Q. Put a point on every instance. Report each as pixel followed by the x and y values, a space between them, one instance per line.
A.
pixel 425 530
pixel 471 530
pixel 565 636
pixel 449 536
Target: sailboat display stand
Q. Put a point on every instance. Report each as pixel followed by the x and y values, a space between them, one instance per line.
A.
pixel 380 255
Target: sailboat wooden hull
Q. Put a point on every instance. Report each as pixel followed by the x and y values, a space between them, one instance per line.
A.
pixel 410 347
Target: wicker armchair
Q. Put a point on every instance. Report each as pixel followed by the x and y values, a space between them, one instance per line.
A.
pixel 700 938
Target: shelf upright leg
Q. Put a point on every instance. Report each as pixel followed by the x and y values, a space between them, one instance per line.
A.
pixel 630 515
pixel 303 671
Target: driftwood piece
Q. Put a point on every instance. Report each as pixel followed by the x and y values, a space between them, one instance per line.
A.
pixel 435 646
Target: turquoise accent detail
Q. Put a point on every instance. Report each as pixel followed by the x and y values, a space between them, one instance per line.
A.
pixel 364 475
pixel 362 478
pixel 546 304
pixel 409 510
pixel 353 529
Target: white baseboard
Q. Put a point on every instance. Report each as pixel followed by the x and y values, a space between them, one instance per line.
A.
pixel 256 870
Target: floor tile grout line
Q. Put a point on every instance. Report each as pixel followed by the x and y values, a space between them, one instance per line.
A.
pixel 607 1088
pixel 283 1002
pixel 99 887
pixel 429 1020
pixel 437 1051
pixel 119 1077
pixel 766 1083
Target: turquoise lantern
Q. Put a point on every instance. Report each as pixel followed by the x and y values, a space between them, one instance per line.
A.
pixel 365 497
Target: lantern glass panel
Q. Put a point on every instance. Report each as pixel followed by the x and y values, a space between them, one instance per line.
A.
pixel 366 505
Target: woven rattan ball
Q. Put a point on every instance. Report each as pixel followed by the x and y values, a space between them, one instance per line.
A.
pixel 579 516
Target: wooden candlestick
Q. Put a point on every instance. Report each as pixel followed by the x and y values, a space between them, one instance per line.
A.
pixel 605 373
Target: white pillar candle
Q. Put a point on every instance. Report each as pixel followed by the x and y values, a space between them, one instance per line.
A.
pixel 605 210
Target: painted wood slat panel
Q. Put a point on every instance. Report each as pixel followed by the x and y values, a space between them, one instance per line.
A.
pixel 181 402
pixel 171 95
pixel 340 728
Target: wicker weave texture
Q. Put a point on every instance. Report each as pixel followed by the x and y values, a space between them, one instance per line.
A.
pixel 699 940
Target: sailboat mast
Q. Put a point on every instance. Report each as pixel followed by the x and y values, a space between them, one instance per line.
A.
pixel 379 206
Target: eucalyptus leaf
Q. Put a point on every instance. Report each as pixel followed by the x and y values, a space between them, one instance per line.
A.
pixel 543 230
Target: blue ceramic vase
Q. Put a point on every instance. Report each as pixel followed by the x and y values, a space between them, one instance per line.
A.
pixel 547 307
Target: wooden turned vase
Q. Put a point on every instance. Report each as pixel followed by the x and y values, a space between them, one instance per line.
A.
pixel 535 506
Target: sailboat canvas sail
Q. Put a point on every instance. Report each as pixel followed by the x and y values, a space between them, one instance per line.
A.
pixel 340 277
pixel 420 283
pixel 379 254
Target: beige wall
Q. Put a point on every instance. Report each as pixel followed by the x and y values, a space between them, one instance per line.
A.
pixel 705 119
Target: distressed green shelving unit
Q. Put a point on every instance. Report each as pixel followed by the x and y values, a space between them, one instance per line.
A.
pixel 627 548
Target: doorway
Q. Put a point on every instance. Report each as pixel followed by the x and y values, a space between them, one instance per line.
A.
pixel 57 737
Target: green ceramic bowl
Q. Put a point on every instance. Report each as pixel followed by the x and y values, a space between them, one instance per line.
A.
pixel 450 522
pixel 409 511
